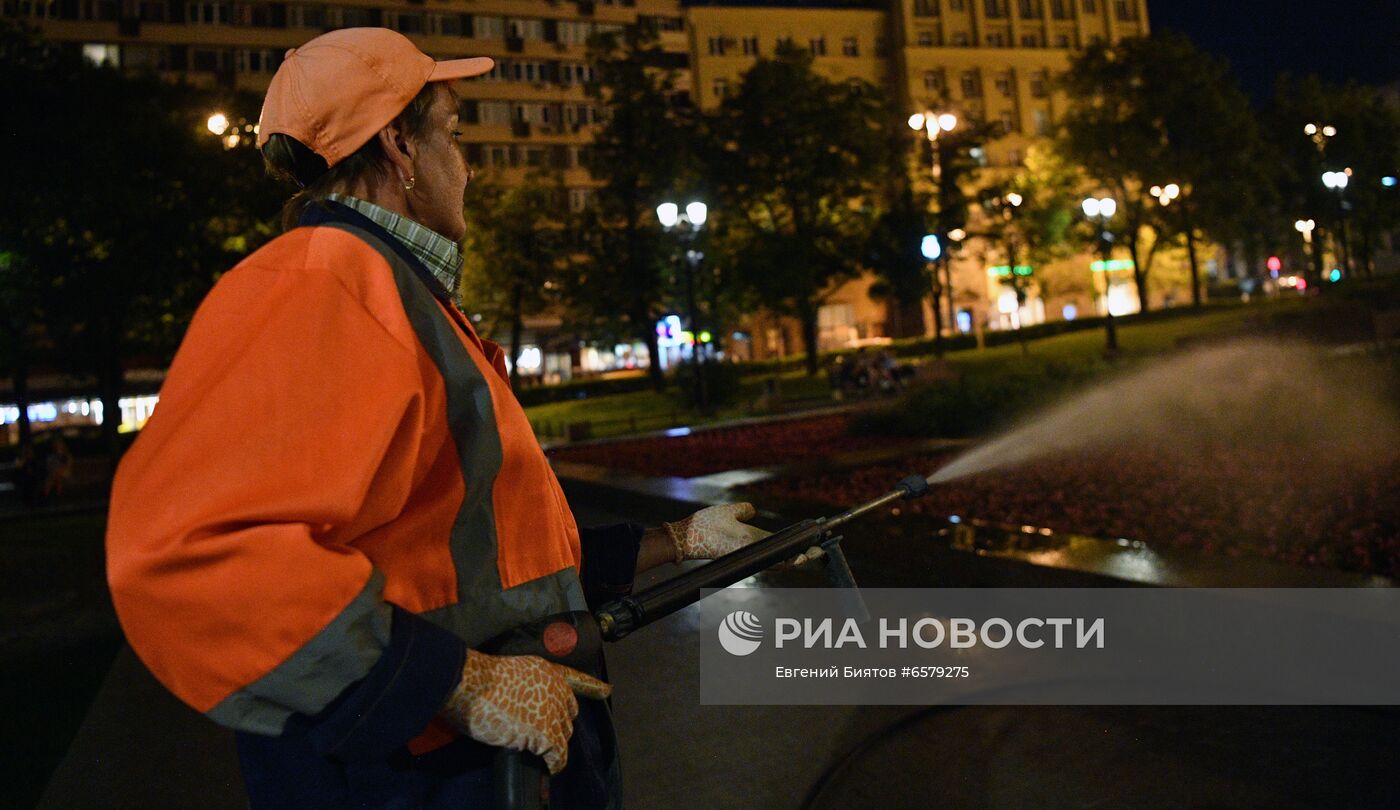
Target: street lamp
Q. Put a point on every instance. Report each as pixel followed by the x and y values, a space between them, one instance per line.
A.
pixel 1166 194
pixel 934 124
pixel 217 123
pixel 1100 210
pixel 688 225
pixel 1337 181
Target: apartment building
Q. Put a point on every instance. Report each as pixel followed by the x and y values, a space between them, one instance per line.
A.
pixel 993 60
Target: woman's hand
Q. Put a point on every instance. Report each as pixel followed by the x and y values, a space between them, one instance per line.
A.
pixel 522 702
pixel 718 530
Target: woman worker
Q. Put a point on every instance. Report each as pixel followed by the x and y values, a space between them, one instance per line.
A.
pixel 338 498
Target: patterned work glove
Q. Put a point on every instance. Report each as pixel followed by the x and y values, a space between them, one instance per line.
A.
pixel 715 531
pixel 522 702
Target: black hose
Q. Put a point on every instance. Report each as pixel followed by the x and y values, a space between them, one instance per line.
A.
pixel 814 793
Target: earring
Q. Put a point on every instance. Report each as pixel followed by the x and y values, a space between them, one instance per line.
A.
pixel 408 186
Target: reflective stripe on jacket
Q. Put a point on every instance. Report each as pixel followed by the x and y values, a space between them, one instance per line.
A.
pixel 331 440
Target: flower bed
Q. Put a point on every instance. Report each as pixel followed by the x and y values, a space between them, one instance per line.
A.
pixel 711 451
pixel 1240 503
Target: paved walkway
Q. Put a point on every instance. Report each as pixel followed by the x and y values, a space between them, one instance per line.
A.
pixel 139 748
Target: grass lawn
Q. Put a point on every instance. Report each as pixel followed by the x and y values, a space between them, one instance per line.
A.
pixel 58 636
pixel 642 411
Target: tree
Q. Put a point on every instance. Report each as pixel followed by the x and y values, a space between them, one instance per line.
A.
pixel 131 208
pixel 515 252
pixel 1031 215
pixel 1146 113
pixel 1365 139
pixel 793 158
pixel 639 155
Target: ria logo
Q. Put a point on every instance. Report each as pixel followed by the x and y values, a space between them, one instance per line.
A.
pixel 740 633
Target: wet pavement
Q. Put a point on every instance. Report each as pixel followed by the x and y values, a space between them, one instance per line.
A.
pixel 139 748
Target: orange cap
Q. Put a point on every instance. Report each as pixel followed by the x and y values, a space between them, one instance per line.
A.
pixel 336 91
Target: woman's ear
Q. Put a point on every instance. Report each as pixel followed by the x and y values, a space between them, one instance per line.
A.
pixel 397 151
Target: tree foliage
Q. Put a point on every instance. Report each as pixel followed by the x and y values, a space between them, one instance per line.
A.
pixel 796 161
pixel 1150 112
pixel 514 253
pixel 130 208
pixel 620 281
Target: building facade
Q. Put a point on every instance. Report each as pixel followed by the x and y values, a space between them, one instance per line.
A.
pixel 993 60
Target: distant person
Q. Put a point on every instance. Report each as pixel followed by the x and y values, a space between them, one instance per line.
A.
pixel 28 474
pixel 59 468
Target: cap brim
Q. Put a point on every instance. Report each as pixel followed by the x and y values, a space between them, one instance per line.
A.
pixel 453 69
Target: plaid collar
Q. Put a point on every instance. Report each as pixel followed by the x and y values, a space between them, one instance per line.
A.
pixel 438 253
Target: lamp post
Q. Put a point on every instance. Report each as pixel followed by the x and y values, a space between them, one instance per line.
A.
pixel 1100 210
pixel 935 125
pixel 688 225
pixel 1337 182
pixel 1305 227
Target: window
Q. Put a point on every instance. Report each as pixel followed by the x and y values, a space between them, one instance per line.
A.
pixel 1041 120
pixel 101 54
pixel 926 39
pixel 529 30
pixel 579 198
pixel 34 9
pixel 1091 6
pixel 1030 40
pixel 995 9
pixel 496 156
pixel 978 154
pixel 352 17
pixel 534 156
pixel 1062 9
pixel 850 46
pixel 750 46
pixel 206 13
pixel 489 27
pixel 1013 157
pixel 493 113
pixel 1003 82
pixel 573 32
pixel 258 60
pixel 957 5
pixel 407 22
pixel 933 81
pixel 571 73
pixel 1062 41
pixel 146 57
pixel 996 39
pixel 971 84
pixel 925 8
pixel 440 25
pixel 817 45
pixel 209 60
pixel 783 42
pixel 716 46
pixel 1040 84
pixel 960 39
pixel 307 17
pixel 1008 122
pixel 721 88
pixel 1125 9
pixel 1031 9
pixel 151 10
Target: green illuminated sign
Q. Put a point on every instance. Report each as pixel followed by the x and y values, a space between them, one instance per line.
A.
pixel 1005 270
pixel 1116 264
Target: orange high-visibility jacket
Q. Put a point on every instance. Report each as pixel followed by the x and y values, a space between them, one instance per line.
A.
pixel 331 439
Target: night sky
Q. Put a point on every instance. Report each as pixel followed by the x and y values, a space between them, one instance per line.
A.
pixel 1336 39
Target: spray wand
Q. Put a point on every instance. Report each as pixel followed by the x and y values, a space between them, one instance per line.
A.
pixel 574 639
